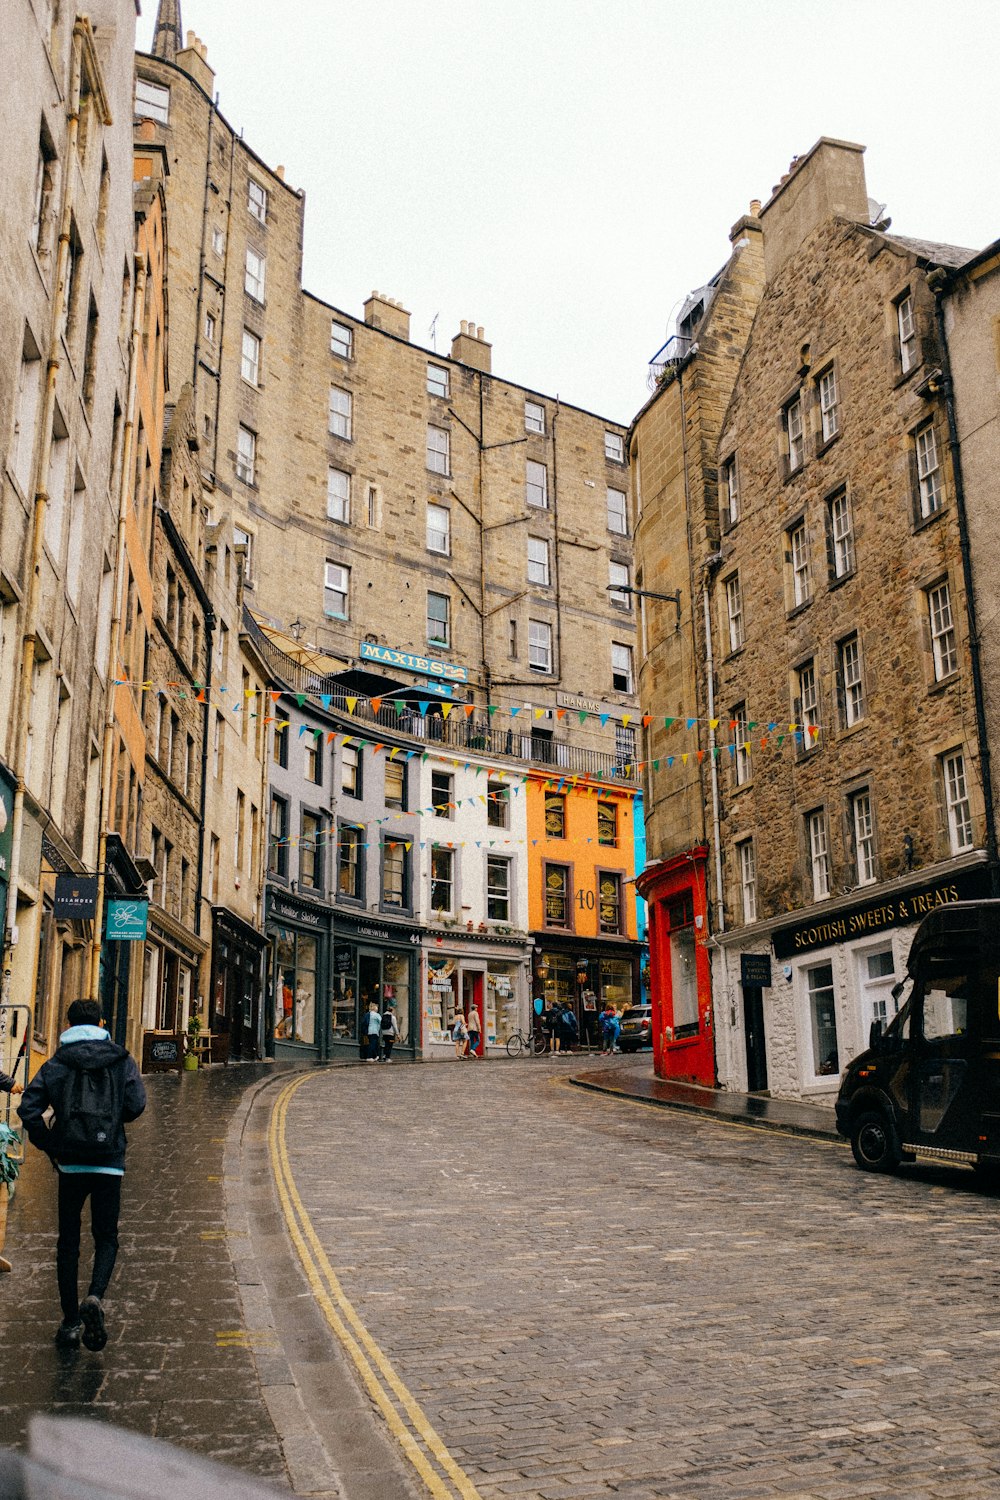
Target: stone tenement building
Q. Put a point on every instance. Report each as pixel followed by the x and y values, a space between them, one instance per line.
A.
pixel 846 675
pixel 66 272
pixel 672 448
pixel 405 513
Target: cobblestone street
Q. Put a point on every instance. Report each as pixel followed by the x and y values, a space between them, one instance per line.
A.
pixel 584 1296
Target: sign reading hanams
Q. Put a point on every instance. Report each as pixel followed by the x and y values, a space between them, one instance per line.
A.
pixel 899 910
pixel 425 665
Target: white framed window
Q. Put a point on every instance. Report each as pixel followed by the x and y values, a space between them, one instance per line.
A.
pixel 614 447
pixel 798 551
pixel 539 646
pixel 852 688
pixel 341 339
pixel 829 404
pixel 534 417
pixel 218 242
pixel 438 529
pixel 748 879
pixel 906 329
pixel 841 535
pixel 819 853
pixel 622 674
pixel 341 411
pixel 438 380
pixel 210 327
pixel 617 512
pixel 255 279
pixel 374 508
pixel 795 434
pixel 930 486
pixel 246 455
pixel 944 646
pixel 152 101
pixel 442 880
pixel 620 580
pixel 439 450
pixel 863 827
pixel 877 976
pixel 807 703
pixel 257 201
pixel 438 620
pixel 731 490
pixel 250 359
pixel 536 485
pixel 956 796
pixel 338 495
pixel 336 590
pixel 497 888
pixel 624 745
pixel 243 541
pixel 821 1000
pixel 742 763
pixel 734 611
pixel 538 561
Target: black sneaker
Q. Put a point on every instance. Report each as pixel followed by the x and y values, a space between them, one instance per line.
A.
pixel 68 1335
pixel 95 1335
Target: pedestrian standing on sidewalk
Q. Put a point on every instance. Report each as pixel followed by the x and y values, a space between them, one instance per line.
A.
pixel 390 1029
pixel 93 1089
pixel 374 1031
pixel 569 1030
pixel 475 1026
pixel 459 1034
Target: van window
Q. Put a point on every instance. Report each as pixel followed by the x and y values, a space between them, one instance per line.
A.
pixel 946 1009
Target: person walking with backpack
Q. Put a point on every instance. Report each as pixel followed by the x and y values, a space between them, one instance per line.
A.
pixel 390 1029
pixel 93 1088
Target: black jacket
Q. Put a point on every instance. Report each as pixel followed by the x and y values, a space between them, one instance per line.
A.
pixel 50 1088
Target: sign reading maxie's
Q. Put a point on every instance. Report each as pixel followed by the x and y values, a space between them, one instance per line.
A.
pixel 904 907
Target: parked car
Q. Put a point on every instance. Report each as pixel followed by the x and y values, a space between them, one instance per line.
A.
pixel 637 1028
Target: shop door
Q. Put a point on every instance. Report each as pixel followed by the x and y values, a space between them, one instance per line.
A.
pixel 945 1102
pixel 369 989
pixel 472 995
pixel 753 1025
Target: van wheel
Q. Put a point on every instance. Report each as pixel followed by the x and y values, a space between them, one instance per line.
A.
pixel 875 1143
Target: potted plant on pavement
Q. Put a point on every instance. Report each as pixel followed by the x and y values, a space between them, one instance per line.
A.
pixel 10 1165
pixel 191 1053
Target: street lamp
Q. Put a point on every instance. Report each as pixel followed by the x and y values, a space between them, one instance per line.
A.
pixel 626 588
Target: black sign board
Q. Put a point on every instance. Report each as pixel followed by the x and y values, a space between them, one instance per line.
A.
pixel 162 1051
pixel 76 896
pixel 898 910
pixel 755 971
pixel 343 960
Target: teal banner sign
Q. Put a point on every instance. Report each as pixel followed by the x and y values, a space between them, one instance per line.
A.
pixel 427 666
pixel 127 921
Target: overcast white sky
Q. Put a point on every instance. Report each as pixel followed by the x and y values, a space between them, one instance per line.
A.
pixel 564 171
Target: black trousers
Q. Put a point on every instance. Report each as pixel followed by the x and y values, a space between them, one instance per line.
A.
pixel 105 1194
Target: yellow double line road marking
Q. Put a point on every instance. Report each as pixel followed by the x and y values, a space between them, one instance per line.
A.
pixel 407 1422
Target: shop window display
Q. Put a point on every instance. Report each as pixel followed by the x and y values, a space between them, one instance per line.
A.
pixel 616 982
pixel 500 1016
pixel 295 967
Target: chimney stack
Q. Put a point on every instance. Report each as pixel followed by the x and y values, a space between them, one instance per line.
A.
pixel 387 314
pixel 469 346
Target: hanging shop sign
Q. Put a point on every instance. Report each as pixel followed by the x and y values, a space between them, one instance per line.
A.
pixel 755 971
pixel 438 689
pixel 127 921
pixel 898 910
pixel 76 896
pixel 426 666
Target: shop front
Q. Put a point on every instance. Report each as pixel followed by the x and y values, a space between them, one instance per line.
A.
pixel 586 974
pixel 172 960
pixel 236 984
pixel 680 973
pixel 375 961
pixel 297 934
pixel 475 972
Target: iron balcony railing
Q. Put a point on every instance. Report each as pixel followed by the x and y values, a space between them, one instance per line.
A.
pixel 671 354
pixel 459 731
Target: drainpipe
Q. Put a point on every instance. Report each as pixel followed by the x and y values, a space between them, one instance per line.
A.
pixel 118 589
pixel 714 773
pixel 41 498
pixel 938 283
pixel 206 725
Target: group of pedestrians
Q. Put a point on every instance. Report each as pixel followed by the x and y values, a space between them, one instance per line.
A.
pixel 383 1029
pixel 560 1027
pixel 611 1028
pixel 467 1033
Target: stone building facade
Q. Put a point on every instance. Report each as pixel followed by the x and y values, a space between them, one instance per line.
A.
pixel 672 451
pixel 66 240
pixel 850 772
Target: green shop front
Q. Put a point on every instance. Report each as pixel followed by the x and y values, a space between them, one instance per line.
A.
pixel 326 967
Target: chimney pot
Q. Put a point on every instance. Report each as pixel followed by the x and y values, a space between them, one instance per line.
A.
pixel 755 208
pixel 479 331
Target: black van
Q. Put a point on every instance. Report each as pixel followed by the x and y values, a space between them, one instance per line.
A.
pixel 929 1085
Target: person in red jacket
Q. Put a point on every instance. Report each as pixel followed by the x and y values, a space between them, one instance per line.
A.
pixel 93 1089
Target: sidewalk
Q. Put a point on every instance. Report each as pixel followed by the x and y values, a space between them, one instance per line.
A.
pixel 630 1081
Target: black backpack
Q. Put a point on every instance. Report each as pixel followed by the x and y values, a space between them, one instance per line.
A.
pixel 90 1119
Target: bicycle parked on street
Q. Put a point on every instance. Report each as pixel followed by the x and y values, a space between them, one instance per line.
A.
pixel 520 1042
